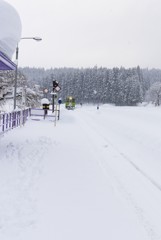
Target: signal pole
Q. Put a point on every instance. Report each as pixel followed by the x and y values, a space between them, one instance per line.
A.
pixel 56 88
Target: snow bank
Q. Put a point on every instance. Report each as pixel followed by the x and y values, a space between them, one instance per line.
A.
pixel 10 25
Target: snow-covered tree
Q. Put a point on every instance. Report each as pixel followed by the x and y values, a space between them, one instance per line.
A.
pixel 154 94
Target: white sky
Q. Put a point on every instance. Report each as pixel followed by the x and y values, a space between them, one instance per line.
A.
pixel 85 33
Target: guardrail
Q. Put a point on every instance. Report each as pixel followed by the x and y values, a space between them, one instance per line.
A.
pixel 14 119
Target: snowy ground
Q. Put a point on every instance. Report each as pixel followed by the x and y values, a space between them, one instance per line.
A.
pixel 96 175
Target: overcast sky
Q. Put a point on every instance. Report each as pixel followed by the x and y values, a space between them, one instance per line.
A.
pixel 85 33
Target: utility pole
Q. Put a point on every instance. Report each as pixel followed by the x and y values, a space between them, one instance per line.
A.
pixel 16 71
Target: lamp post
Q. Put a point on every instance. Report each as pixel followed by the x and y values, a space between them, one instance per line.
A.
pixel 16 70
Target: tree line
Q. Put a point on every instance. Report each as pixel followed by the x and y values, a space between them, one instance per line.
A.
pixel 119 86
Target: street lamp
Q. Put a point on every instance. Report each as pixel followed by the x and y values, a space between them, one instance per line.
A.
pixel 16 70
pixel 34 38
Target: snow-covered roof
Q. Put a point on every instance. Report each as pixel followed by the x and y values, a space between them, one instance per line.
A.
pixel 6 63
pixel 10 29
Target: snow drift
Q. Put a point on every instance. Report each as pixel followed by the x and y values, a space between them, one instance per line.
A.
pixel 10 25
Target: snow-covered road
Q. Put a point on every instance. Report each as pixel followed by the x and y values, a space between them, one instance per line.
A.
pixel 96 175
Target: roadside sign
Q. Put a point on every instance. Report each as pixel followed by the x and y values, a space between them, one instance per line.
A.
pixel 59 101
pixel 57 89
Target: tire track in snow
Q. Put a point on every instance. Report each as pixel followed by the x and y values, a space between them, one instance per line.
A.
pixel 152 181
pixel 127 158
pixel 116 182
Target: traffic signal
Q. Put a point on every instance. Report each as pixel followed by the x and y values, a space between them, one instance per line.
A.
pixel 55 84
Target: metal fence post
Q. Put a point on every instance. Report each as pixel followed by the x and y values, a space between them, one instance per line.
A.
pixel 3 122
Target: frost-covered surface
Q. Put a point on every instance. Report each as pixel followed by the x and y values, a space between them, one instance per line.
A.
pixel 10 26
pixel 96 175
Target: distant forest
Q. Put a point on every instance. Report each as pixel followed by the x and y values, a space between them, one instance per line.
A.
pixel 119 86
